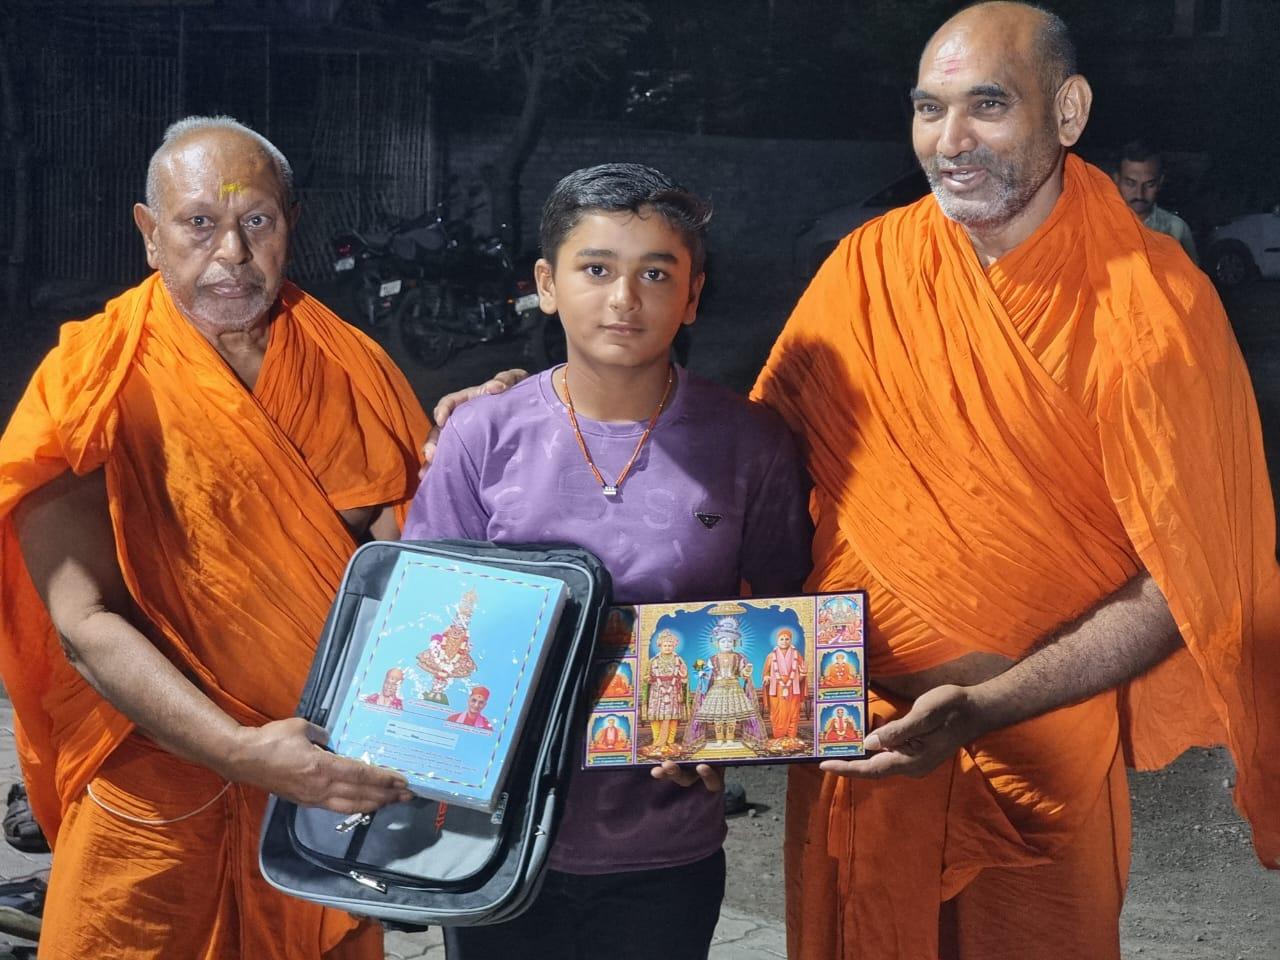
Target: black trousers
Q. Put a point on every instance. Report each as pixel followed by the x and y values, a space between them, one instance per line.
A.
pixel 668 914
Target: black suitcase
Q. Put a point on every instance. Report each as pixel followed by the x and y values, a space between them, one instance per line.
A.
pixel 401 865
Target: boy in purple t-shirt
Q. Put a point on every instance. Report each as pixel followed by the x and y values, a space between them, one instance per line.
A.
pixel 683 489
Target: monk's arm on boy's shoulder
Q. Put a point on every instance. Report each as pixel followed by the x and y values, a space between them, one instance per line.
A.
pixel 451 401
pixel 1124 635
pixel 65 533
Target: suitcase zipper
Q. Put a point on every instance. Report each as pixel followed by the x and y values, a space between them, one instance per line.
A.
pixel 369 882
pixel 500 810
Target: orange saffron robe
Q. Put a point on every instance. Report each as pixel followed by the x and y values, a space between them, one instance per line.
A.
pixel 993 453
pixel 224 504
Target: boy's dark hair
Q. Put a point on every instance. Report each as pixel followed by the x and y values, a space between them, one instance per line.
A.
pixel 614 187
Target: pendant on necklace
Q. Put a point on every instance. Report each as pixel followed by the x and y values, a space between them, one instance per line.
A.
pixel 610 490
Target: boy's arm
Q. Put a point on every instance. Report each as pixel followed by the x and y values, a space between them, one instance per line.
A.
pixel 448 502
pixel 778 533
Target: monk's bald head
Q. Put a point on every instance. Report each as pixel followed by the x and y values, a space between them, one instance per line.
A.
pixel 226 137
pixel 217 223
pixel 996 105
pixel 1022 31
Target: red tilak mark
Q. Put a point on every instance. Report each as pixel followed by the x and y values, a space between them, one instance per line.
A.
pixel 440 811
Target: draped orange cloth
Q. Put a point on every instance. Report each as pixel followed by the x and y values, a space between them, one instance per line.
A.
pixel 994 451
pixel 224 506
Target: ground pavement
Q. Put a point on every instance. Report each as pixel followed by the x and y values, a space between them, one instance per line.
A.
pixel 738 937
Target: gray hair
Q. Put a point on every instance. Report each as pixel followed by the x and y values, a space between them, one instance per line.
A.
pixel 1054 53
pixel 181 128
pixel 1056 56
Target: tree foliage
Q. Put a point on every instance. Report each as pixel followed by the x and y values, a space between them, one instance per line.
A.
pixel 532 45
pixel 561 38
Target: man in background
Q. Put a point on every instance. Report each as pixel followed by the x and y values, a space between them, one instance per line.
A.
pixel 1140 175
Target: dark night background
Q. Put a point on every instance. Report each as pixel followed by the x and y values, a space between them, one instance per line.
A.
pixel 780 111
pixel 387 106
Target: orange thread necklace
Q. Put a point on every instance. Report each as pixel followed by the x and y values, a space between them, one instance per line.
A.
pixel 611 489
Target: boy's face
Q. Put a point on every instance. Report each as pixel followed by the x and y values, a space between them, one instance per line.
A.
pixel 622 285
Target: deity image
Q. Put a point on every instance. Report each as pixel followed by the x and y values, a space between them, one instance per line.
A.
pixel 839 620
pixel 840 726
pixel 664 701
pixel 448 656
pixel 389 695
pixel 617 627
pixel 611 736
pixel 613 681
pixel 784 682
pixel 731 698
pixel 840 669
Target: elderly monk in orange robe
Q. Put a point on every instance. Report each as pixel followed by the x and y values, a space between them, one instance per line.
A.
pixel 1035 444
pixel 181 487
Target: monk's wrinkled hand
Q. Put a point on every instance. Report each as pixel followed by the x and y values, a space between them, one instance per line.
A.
pixel 451 401
pixel 710 777
pixel 938 724
pixel 285 758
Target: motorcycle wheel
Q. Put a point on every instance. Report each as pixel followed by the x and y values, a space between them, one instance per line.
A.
pixel 418 324
pixel 368 303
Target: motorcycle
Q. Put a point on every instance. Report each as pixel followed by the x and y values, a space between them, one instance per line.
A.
pixel 438 288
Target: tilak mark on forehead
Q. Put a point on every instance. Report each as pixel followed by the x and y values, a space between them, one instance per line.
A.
pixel 228 188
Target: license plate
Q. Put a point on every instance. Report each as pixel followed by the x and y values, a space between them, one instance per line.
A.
pixel 346 263
pixel 390 288
pixel 528 302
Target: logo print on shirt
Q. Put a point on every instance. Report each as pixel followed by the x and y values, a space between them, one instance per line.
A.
pixel 708 520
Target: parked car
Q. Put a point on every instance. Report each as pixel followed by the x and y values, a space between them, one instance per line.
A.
pixel 817 238
pixel 1246 247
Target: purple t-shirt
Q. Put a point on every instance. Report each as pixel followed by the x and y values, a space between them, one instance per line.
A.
pixel 508 470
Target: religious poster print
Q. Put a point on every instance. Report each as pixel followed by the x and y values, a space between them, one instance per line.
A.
pixel 610 741
pixel 839 673
pixel 439 688
pixel 839 728
pixel 613 683
pixel 734 681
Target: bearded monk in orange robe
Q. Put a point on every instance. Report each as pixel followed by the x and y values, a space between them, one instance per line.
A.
pixel 1035 444
pixel 180 488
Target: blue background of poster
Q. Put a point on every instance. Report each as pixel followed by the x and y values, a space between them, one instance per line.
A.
pixel 509 625
pixel 758 626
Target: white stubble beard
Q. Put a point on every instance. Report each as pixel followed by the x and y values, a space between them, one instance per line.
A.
pixel 1014 180
pixel 229 316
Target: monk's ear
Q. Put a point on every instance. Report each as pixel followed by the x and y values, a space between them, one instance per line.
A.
pixel 1071 105
pixel 146 221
